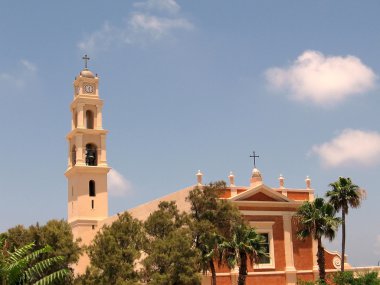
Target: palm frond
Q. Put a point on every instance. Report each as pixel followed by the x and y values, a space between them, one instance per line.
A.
pixel 37 270
pixel 58 275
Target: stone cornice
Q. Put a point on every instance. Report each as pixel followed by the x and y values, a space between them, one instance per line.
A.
pixel 84 131
pixel 86 169
pixel 265 204
pixel 86 99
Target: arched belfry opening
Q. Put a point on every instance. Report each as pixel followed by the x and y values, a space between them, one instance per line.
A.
pixel 91 155
pixel 73 155
pixel 89 119
pixel 91 188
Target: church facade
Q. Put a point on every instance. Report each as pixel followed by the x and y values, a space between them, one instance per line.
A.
pixel 269 210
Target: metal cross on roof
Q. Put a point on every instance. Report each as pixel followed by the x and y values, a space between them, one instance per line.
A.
pixel 254 158
pixel 86 59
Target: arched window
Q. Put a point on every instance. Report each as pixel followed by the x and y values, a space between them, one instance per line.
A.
pixel 73 155
pixel 91 155
pixel 89 119
pixel 91 188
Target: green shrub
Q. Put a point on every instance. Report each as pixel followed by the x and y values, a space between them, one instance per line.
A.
pixel 303 282
pixel 369 278
pixel 343 278
pixel 347 278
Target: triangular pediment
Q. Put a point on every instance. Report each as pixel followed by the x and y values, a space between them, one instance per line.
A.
pixel 261 193
pixel 259 197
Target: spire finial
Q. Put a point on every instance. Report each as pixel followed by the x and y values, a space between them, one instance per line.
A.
pixel 232 179
pixel 86 59
pixel 199 178
pixel 281 179
pixel 308 182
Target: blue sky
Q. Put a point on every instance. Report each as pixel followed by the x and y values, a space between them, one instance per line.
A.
pixel 194 85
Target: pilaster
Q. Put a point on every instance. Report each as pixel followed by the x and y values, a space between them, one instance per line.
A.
pixel 80 109
pixel 69 163
pixel 315 262
pixel 99 123
pixel 103 150
pixel 290 270
pixel 79 146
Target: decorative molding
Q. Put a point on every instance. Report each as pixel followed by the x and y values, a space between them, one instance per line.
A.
pixel 266 213
pixel 81 131
pixel 336 262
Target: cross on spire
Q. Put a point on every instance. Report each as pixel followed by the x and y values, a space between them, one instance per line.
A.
pixel 254 158
pixel 86 59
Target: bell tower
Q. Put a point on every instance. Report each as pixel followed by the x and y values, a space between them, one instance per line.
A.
pixel 87 163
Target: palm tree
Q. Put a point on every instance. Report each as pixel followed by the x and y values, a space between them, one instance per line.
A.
pixel 27 266
pixel 317 219
pixel 343 195
pixel 207 243
pixel 245 244
pixel 211 220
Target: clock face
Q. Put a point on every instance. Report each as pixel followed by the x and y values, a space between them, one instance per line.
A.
pixel 88 88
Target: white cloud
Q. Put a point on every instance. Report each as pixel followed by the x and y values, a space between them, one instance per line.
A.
pixel 19 77
pixel 28 65
pixel 169 6
pixel 322 80
pixel 157 27
pixel 350 147
pixel 117 184
pixel 139 27
pixel 11 80
pixel 101 39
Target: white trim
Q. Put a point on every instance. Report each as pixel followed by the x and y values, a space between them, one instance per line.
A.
pixel 262 225
pixel 251 273
pixel 265 228
pixel 264 204
pixel 294 190
pixel 266 273
pixel 266 213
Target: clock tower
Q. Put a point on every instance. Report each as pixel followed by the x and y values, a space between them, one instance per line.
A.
pixel 87 162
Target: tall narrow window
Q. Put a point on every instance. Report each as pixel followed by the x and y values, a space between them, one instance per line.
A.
pixel 91 155
pixel 89 119
pixel 75 118
pixel 266 249
pixel 92 204
pixel 74 155
pixel 91 186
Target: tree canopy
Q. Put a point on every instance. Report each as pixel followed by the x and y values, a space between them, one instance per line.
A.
pixel 212 219
pixel 114 252
pixel 170 256
pixel 56 234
